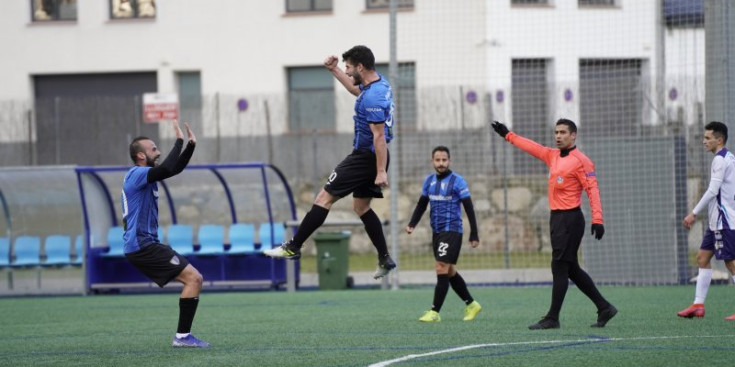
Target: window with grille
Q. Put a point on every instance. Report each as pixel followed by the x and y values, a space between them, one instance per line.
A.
pixel 530 96
pixel 310 99
pixel 610 97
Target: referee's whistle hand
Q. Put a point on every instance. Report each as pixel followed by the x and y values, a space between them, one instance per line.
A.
pixel 500 128
pixel 598 230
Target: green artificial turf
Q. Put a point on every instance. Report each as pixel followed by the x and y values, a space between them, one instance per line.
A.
pixel 363 327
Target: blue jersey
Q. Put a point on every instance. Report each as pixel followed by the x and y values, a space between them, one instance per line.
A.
pixel 373 105
pixel 139 209
pixel 445 197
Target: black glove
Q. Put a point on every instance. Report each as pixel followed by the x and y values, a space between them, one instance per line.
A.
pixel 597 230
pixel 500 128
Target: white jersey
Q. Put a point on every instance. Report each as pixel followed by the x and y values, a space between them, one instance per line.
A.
pixel 720 195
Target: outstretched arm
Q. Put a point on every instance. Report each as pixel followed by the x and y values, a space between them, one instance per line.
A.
pixel 176 161
pixel 331 64
pixel 529 146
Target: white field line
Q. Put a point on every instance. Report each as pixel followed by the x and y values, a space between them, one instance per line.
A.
pixel 475 346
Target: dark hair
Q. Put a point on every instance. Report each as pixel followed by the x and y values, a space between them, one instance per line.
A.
pixel 719 130
pixel 572 126
pixel 440 148
pixel 360 55
pixel 136 148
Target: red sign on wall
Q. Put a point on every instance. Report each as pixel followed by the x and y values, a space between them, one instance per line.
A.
pixel 160 107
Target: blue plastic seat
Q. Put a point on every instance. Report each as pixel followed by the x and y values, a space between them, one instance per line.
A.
pixel 242 239
pixel 27 251
pixel 211 240
pixel 57 249
pixel 115 242
pixel 279 235
pixel 78 250
pixel 4 252
pixel 181 238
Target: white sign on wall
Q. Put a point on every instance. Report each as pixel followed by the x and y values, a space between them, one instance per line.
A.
pixel 160 107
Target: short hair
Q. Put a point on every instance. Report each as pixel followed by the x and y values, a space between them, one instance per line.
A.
pixel 135 147
pixel 360 55
pixel 570 124
pixel 441 148
pixel 719 130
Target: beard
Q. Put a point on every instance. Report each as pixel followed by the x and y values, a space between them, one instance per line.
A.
pixel 150 162
pixel 356 79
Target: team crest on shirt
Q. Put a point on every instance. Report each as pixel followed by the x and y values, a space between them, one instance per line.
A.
pixel 444 185
pixel 175 260
pixel 559 179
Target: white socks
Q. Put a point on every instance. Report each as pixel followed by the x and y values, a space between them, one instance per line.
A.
pixel 703 280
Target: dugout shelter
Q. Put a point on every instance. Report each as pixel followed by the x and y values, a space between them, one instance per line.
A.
pixel 220 216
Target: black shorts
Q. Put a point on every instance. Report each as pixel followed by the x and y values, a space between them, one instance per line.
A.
pixel 355 175
pixel 160 263
pixel 567 229
pixel 447 246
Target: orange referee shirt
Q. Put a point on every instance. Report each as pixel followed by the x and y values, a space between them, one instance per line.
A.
pixel 567 176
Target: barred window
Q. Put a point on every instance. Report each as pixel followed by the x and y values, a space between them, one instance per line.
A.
pixel 310 99
pixel 530 95
pixel 49 10
pixel 610 95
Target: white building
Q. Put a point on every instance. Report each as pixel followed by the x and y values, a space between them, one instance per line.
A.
pixel 601 62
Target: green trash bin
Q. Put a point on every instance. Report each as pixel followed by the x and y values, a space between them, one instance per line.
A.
pixel 332 256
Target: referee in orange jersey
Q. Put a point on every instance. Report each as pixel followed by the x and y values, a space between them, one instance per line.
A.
pixel 570 172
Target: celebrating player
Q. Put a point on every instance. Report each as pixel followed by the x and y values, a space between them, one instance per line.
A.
pixel 364 172
pixel 570 171
pixel 445 190
pixel 719 238
pixel 160 263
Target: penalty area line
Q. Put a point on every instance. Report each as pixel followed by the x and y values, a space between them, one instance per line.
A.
pixel 487 345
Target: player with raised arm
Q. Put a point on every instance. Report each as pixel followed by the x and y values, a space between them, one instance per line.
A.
pixel 160 263
pixel 364 171
pixel 445 190
pixel 719 238
pixel 570 173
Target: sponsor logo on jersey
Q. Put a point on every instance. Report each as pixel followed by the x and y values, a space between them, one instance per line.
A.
pixel 440 197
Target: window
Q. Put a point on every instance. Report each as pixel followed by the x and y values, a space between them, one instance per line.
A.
pixel 533 2
pixel 404 93
pixel 127 9
pixel 190 96
pixel 385 4
pixel 684 13
pixel 610 95
pixel 530 96
pixel 54 10
pixel 597 2
pixel 310 99
pixel 300 6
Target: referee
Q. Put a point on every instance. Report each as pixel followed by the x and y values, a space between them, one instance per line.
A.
pixel 570 172
pixel 159 262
